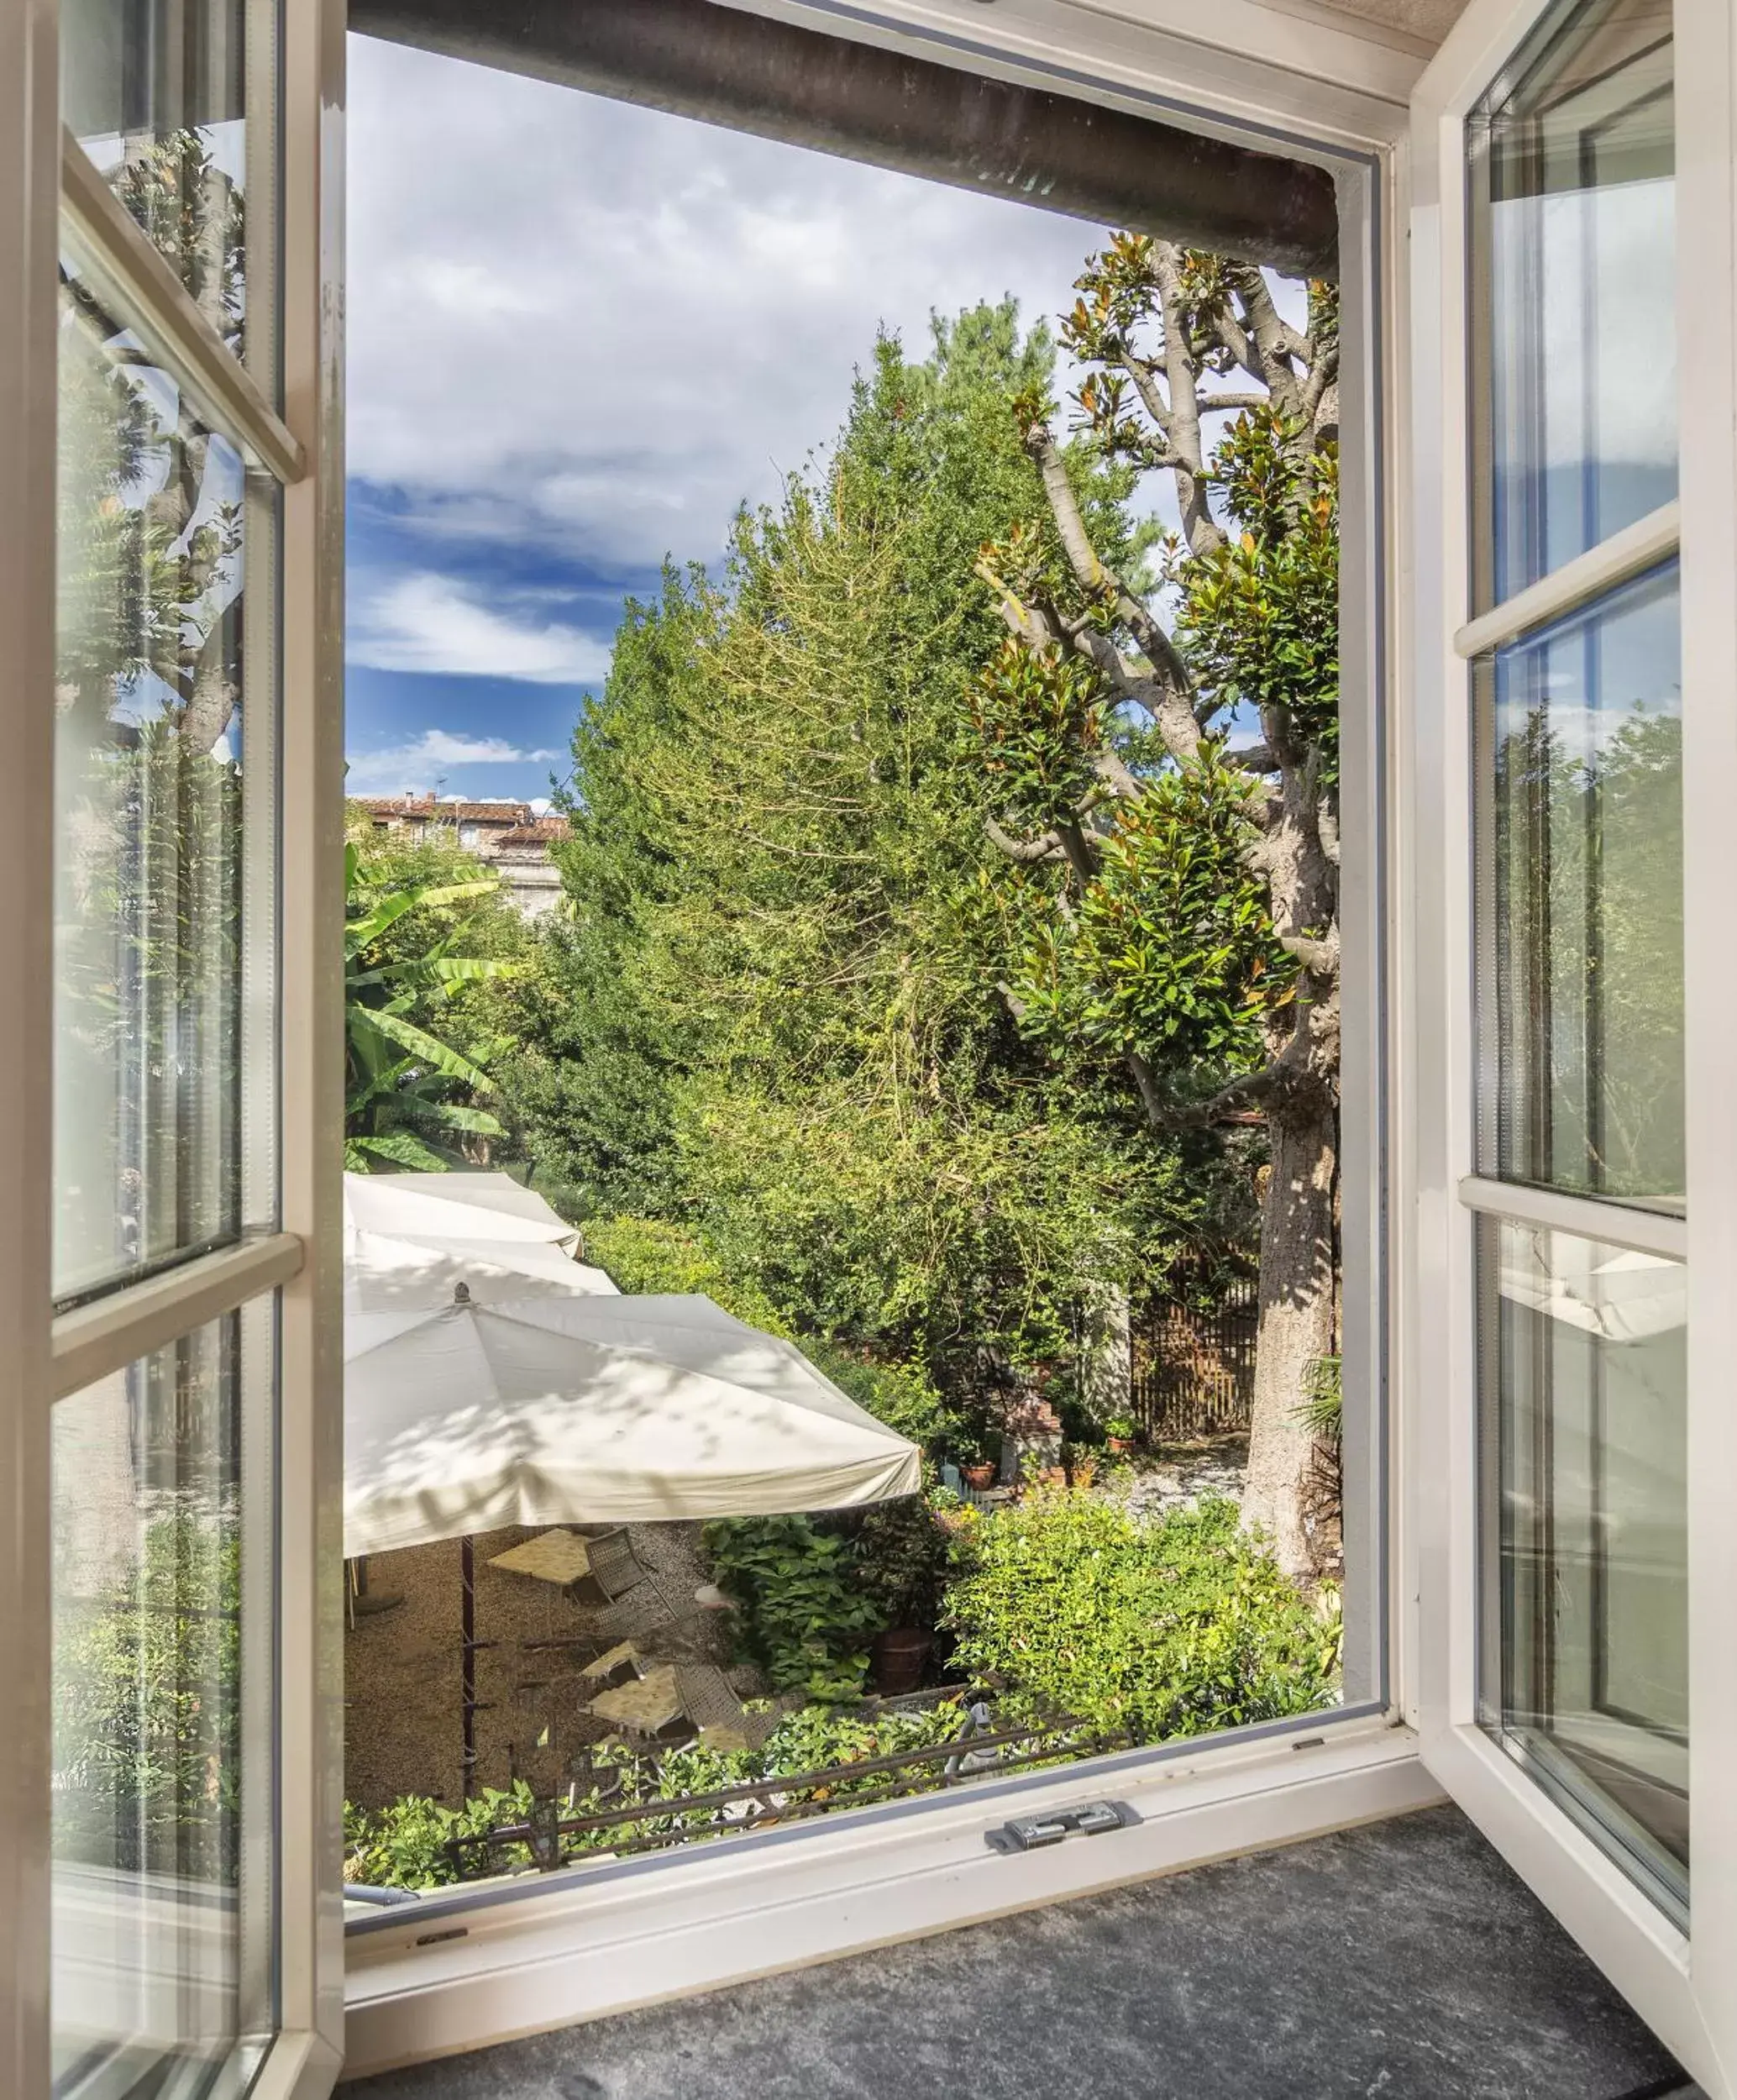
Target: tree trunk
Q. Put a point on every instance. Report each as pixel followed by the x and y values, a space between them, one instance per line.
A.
pixel 1296 1328
pixel 1107 1372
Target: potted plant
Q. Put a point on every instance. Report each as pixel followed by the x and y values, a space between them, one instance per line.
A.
pixel 971 1452
pixel 902 1552
pixel 1119 1434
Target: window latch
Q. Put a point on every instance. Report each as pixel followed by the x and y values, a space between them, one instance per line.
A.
pixel 1030 1834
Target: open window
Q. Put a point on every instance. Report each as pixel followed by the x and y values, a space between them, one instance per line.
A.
pixel 737 850
pixel 1537 761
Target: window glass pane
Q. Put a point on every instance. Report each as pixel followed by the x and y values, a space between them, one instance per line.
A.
pixel 1581 901
pixel 153 522
pixel 1573 167
pixel 1586 1667
pixel 163 1956
pixel 166 97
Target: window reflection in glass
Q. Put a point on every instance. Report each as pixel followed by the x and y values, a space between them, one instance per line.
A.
pixel 1580 933
pixel 1573 173
pixel 161 1903
pixel 148 801
pixel 1587 1677
pixel 154 91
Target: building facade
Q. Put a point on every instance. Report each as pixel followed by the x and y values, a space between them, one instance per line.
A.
pixel 513 838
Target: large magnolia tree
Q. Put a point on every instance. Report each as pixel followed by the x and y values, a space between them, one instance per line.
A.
pixel 1166 747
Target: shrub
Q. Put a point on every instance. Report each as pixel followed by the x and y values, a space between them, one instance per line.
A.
pixel 1163 1628
pixel 644 1254
pixel 404 1846
pixel 804 1614
pixel 902 1555
pixel 902 1395
pixel 812 1739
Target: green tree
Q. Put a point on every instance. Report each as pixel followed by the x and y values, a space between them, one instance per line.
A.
pixel 778 1014
pixel 1177 889
pixel 410 959
pixel 1586 989
pixel 147 1707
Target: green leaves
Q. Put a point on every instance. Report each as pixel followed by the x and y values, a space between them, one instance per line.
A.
pixel 1169 949
pixel 404 1846
pixel 1136 890
pixel 147 1711
pixel 1165 1628
pixel 804 1614
pixel 406 1081
pixel 777 1023
pixel 386 1022
pixel 1040 716
pixel 1260 617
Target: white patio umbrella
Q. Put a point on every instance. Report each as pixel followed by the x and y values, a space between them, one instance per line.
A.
pixel 1612 1293
pixel 592 1410
pixel 410 1240
pixel 441 1208
pixel 383 1272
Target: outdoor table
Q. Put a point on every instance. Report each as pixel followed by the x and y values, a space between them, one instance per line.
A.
pixel 552 1557
pixel 645 1705
pixel 611 1660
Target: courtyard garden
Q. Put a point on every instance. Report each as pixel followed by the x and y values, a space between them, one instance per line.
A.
pixel 945 982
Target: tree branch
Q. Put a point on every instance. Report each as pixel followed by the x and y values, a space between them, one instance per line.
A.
pixel 1027 851
pixel 1258 757
pixel 1181 372
pixel 1182 733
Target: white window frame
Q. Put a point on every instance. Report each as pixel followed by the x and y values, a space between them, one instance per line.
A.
pixel 461 1972
pixel 50 197
pixel 29 184
pixel 1684 1985
pixel 623 1936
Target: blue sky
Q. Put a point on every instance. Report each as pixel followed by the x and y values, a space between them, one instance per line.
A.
pixel 580 333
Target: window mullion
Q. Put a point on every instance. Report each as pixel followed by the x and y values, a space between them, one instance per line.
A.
pixel 94 1340
pixel 127 269
pixel 1636 547
pixel 1589 1217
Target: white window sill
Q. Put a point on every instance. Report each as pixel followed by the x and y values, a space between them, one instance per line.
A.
pixel 617 1937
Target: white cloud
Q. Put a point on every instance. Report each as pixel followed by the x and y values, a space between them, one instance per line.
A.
pixel 411 768
pixel 428 622
pixel 597 328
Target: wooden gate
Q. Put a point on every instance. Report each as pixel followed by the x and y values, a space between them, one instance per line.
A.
pixel 1193 1372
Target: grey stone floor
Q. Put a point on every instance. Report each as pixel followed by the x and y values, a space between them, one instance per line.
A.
pixel 1401 1961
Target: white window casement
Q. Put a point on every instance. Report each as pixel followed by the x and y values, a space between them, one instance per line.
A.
pixel 173 1092
pixel 1538 224
pixel 1571 1471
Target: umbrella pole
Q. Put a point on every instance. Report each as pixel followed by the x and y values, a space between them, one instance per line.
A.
pixel 467 1622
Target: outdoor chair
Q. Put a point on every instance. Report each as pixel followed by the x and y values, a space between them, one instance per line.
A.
pixel 642 1611
pixel 616 1568
pixel 711 1702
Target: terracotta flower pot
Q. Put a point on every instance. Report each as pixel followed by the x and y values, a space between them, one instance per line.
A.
pixel 897 1658
pixel 979 1477
pixel 1121 1446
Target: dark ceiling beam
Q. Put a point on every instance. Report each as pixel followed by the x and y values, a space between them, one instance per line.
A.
pixel 726 66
